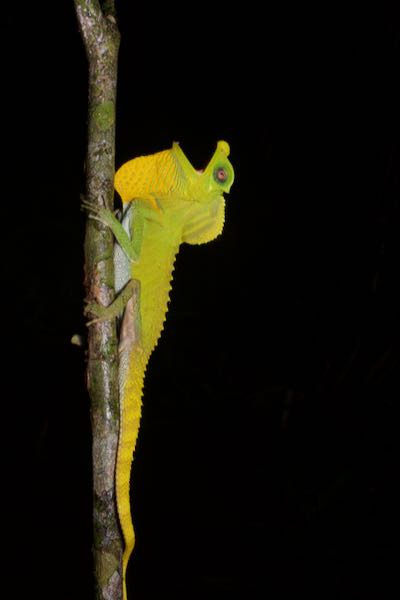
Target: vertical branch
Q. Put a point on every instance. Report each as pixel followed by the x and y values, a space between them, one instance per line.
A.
pixel 101 39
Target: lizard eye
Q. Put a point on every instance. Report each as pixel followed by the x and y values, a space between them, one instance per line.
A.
pixel 220 175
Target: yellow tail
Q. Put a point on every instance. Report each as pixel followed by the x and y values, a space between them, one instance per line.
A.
pixel 131 404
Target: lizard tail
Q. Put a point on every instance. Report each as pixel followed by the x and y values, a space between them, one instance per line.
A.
pixel 130 412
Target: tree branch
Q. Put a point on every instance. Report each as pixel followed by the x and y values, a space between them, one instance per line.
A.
pixel 101 39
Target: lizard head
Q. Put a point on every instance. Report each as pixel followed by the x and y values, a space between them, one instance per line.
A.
pixel 216 179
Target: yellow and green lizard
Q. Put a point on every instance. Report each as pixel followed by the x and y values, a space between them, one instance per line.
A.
pixel 166 202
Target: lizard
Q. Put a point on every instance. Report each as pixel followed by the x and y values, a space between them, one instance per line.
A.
pixel 165 202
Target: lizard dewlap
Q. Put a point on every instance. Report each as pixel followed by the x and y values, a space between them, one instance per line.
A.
pixel 166 202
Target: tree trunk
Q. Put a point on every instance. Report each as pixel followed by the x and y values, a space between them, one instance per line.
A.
pixel 101 39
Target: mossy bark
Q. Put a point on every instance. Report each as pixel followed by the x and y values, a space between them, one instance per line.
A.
pixel 101 39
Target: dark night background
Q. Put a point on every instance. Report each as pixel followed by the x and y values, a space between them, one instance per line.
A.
pixel 267 464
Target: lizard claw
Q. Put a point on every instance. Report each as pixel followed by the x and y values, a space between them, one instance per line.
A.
pixel 94 309
pixel 98 213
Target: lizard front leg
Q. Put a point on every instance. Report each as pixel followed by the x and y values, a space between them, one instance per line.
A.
pixel 131 244
pixel 116 308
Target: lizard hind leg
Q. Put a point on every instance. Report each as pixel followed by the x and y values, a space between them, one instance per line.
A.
pixel 106 313
pixel 130 334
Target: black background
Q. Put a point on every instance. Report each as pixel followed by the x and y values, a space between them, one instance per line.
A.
pixel 267 463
